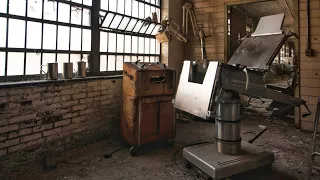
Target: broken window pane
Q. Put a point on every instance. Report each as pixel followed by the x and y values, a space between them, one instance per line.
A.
pixel 16 33
pixel 15 63
pixel 35 8
pixel 49 36
pixel 33 63
pixel 34 35
pixel 76 15
pixel 50 10
pixel 3 31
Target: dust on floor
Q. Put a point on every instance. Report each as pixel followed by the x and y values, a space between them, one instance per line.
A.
pixel 290 146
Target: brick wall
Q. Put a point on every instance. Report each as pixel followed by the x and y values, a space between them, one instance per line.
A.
pixel 309 66
pixel 33 117
pixel 211 14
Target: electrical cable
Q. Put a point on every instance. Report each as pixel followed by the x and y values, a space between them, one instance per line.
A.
pixel 109 155
pixel 176 152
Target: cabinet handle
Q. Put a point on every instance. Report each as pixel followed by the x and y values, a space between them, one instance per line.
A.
pixel 157 79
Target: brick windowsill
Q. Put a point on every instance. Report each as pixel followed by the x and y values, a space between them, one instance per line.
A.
pixel 59 81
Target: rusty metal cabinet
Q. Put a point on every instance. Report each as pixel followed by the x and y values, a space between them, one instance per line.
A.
pixel 147 111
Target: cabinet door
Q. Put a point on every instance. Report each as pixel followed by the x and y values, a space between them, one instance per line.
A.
pixel 166 119
pixel 149 119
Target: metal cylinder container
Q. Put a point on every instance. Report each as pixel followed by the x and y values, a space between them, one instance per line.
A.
pixel 52 72
pixel 82 69
pixel 227 124
pixel 67 71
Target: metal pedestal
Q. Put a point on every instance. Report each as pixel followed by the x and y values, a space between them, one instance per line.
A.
pixel 218 166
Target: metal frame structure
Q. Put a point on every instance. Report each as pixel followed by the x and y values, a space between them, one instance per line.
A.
pixel 97 25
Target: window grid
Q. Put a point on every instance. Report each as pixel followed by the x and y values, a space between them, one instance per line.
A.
pixel 130 45
pixel 111 28
pixel 27 14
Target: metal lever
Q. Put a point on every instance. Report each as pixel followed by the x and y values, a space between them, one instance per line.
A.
pixel 264 128
pixel 247 77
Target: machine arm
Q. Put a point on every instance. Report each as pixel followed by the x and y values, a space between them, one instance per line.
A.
pixel 168 26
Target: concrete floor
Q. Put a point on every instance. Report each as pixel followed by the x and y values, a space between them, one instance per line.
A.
pixel 290 146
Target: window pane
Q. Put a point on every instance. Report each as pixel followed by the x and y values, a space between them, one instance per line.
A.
pixel 33 63
pixel 112 42
pixel 124 23
pixel 156 29
pixel 86 40
pixel 34 35
pixel 103 63
pixel 15 63
pixel 119 63
pixel 121 6
pixel 127 48
pixel 116 21
pixel 35 9
pixel 49 36
pixel 64 12
pixel 128 7
pixel 76 15
pixel 112 6
pixel 127 58
pixel 146 59
pixel 17 7
pixel 120 43
pixel 2 63
pixel 152 59
pixel 135 6
pixel 75 58
pixel 152 46
pixel 108 20
pixel 111 63
pixel 157 48
pixel 150 28
pixel 16 33
pixel 131 25
pixel 144 28
pixel 141 45
pixel 50 10
pixel 88 2
pixel 141 10
pixel 141 59
pixel 47 58
pixel 134 58
pixel 63 38
pixel 138 26
pixel 147 10
pixel 77 1
pixel 75 39
pixel 3 8
pixel 134 44
pixel 62 58
pixel 103 41
pixel 157 59
pixel 3 31
pixel 86 17
pixel 147 45
pixel 104 4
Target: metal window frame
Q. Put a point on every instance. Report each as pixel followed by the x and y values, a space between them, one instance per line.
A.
pixel 94 54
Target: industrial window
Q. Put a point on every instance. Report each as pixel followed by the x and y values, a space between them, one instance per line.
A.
pixel 125 35
pixel 36 32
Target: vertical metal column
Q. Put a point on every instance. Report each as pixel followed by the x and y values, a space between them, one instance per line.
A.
pixel 95 42
pixel 227 124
